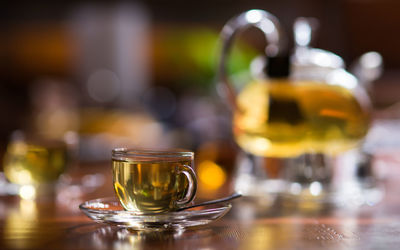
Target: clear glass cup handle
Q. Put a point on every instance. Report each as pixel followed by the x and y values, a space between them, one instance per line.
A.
pixel 274 35
pixel 191 193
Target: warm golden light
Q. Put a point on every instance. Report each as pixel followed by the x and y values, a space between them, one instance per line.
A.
pixel 19 221
pixel 211 175
pixel 27 192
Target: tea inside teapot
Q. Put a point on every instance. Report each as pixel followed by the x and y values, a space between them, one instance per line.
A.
pixel 283 118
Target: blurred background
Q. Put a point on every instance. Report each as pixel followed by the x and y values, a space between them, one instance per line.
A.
pixel 143 73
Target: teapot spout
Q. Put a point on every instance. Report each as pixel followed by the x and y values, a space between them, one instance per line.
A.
pixel 367 68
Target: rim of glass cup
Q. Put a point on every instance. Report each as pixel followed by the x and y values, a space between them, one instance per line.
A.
pixel 151 154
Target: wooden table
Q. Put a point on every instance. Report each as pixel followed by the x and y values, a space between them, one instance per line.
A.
pixel 56 223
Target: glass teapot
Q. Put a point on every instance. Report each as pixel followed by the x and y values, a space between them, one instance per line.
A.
pixel 303 108
pixel 316 108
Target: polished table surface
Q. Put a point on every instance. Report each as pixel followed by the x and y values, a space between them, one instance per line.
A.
pixel 55 222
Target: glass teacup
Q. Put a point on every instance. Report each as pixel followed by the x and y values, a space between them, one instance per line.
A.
pixel 147 181
pixel 33 164
pixel 33 160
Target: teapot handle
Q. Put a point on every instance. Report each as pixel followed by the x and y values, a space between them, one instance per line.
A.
pixel 264 21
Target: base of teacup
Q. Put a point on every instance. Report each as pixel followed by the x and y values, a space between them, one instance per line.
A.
pixel 153 211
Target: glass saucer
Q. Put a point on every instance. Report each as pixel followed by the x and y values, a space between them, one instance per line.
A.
pixel 108 210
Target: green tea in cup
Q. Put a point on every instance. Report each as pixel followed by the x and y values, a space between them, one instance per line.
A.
pixel 33 161
pixel 148 181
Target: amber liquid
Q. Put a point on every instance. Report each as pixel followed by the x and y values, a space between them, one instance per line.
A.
pixel 27 163
pixel 281 119
pixel 150 187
